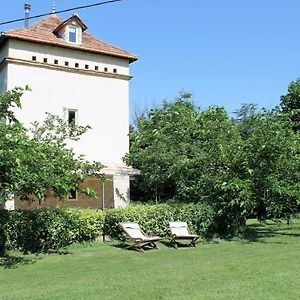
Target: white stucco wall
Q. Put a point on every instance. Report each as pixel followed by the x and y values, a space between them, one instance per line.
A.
pixel 25 50
pixel 3 55
pixel 121 190
pixel 101 102
pixel 3 79
pixel 3 52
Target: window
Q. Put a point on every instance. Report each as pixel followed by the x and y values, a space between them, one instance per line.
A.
pixel 55 61
pixel 66 63
pixel 87 67
pixel 96 68
pixel 72 34
pixel 45 60
pixel 76 65
pixel 73 195
pixel 34 58
pixel 115 71
pixel 105 69
pixel 72 116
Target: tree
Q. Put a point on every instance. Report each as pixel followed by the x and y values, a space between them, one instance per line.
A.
pixel 37 162
pixel 290 103
pixel 272 164
pixel 249 166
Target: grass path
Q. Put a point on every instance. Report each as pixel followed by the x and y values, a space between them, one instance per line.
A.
pixel 266 266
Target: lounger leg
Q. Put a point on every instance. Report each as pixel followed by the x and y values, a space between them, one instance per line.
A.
pixel 135 247
pixel 173 243
pixel 193 242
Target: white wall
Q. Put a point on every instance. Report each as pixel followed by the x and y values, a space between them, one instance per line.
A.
pixel 3 52
pixel 3 81
pixel 25 50
pixel 101 102
pixel 121 190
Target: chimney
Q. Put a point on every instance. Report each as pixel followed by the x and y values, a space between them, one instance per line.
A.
pixel 27 8
pixel 53 7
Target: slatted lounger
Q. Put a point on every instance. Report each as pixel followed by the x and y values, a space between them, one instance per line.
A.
pixel 180 231
pixel 138 236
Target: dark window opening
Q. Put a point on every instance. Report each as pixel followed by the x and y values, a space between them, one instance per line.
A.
pixel 76 65
pixel 66 63
pixel 87 67
pixel 115 70
pixel 105 69
pixel 34 58
pixel 71 117
pixel 96 68
pixel 73 195
pixel 45 59
pixel 55 61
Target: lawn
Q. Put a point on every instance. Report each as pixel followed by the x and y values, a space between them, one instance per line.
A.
pixel 265 265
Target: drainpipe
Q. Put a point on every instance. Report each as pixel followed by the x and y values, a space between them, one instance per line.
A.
pixel 27 8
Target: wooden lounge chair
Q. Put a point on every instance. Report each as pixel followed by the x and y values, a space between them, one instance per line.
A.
pixel 138 236
pixel 180 231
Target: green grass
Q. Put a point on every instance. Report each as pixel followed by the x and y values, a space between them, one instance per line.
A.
pixel 266 265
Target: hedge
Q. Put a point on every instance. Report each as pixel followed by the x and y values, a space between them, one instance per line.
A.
pixel 51 228
pixel 154 219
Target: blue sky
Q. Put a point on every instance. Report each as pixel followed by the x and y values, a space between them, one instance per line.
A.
pixel 225 52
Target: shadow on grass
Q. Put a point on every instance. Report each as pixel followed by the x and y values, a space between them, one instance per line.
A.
pixel 12 262
pixel 261 232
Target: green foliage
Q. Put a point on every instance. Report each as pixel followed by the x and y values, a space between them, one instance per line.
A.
pixel 290 103
pixel 3 220
pixel 44 229
pixel 154 219
pixel 200 217
pixel 38 161
pixel 240 167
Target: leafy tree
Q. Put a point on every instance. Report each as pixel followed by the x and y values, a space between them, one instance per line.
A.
pixel 290 103
pixel 249 166
pixel 37 162
pixel 271 156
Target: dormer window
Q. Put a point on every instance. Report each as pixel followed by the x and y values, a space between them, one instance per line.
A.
pixel 73 34
pixel 71 30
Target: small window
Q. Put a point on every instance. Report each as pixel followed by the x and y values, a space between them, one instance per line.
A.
pixel 96 68
pixel 45 60
pixel 72 116
pixel 73 195
pixel 66 63
pixel 76 65
pixel 115 70
pixel 105 69
pixel 87 67
pixel 33 58
pixel 72 34
pixel 55 61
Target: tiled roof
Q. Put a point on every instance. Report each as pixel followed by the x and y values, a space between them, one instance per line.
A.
pixel 42 32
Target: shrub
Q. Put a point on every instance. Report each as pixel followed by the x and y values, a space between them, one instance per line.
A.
pixel 199 217
pixel 154 219
pixel 44 229
pixel 3 218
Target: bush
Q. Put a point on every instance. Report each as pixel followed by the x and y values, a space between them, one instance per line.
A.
pixel 3 218
pixel 154 219
pixel 200 217
pixel 44 229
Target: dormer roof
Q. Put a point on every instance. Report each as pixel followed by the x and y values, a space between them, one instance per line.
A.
pixel 45 32
pixel 75 18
